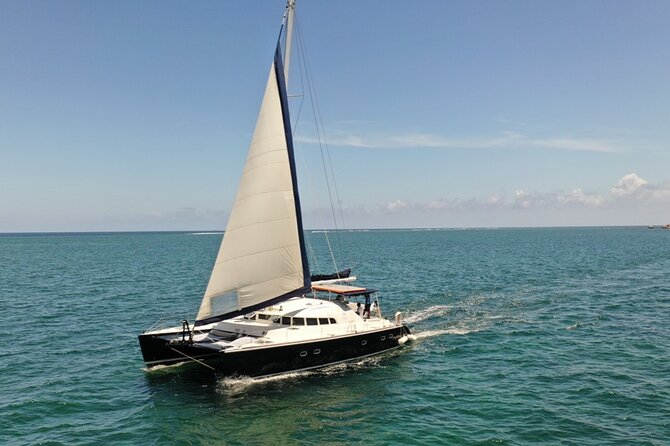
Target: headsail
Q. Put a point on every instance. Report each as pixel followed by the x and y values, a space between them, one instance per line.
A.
pixel 262 258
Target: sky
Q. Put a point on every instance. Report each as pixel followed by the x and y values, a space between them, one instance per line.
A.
pixel 126 115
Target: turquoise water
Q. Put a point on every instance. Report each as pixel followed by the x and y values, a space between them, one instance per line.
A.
pixel 525 336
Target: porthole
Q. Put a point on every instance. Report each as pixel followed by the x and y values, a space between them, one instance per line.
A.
pixel 303 353
pixel 391 336
pixel 317 351
pixel 383 338
pixel 364 342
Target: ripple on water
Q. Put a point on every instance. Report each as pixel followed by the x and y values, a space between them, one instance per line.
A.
pixel 555 336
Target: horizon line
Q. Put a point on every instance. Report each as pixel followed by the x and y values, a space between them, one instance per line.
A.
pixel 221 231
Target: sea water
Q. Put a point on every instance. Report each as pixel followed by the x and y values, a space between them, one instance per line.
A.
pixel 524 336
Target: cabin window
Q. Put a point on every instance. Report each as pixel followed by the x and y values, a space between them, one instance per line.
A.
pixel 298 321
pixel 263 317
pixel 332 321
pixel 286 320
pixel 276 319
pixel 311 321
pixel 323 320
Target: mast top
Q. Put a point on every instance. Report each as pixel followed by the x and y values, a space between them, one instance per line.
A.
pixel 289 17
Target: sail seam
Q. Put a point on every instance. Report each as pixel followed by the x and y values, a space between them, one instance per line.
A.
pixel 237 288
pixel 250 196
pixel 251 158
pixel 249 225
pixel 255 253
pixel 263 154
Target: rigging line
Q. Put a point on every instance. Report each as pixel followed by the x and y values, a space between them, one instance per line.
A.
pixel 318 117
pixel 307 171
pixel 330 162
pixel 319 131
pixel 192 358
pixel 296 118
pixel 316 197
pixel 315 101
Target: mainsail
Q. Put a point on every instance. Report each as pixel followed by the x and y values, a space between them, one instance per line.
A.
pixel 262 258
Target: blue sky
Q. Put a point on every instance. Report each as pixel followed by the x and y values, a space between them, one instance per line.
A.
pixel 133 115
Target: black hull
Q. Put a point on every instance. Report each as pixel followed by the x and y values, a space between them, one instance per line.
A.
pixel 169 348
pixel 270 360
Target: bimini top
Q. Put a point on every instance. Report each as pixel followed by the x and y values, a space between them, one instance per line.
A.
pixel 345 290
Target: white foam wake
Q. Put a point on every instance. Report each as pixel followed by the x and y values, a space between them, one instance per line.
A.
pixel 164 367
pixel 453 331
pixel 240 384
pixel 421 315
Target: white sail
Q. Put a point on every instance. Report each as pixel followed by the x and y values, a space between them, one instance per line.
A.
pixel 261 256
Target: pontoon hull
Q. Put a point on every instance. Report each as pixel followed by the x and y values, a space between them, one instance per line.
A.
pixel 271 359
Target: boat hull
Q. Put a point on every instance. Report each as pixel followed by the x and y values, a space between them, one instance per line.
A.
pixel 271 359
pixel 168 348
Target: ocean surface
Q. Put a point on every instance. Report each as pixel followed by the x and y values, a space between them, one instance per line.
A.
pixel 525 336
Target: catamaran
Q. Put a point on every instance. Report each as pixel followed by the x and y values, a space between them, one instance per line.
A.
pixel 263 313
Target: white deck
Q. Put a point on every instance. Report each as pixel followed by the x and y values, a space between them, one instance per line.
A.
pixel 262 333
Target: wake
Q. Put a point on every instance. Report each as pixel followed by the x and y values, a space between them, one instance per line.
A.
pixel 241 384
pixel 437 315
pixel 237 385
pixel 452 331
pixel 430 312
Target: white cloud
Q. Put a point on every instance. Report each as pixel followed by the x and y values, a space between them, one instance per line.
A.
pixel 628 185
pixel 505 140
pixel 630 190
pixel 577 196
pixel 396 205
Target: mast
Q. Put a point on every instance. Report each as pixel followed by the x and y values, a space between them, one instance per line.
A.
pixel 262 259
pixel 290 17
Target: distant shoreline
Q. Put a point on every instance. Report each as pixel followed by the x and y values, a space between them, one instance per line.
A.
pixel 316 230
